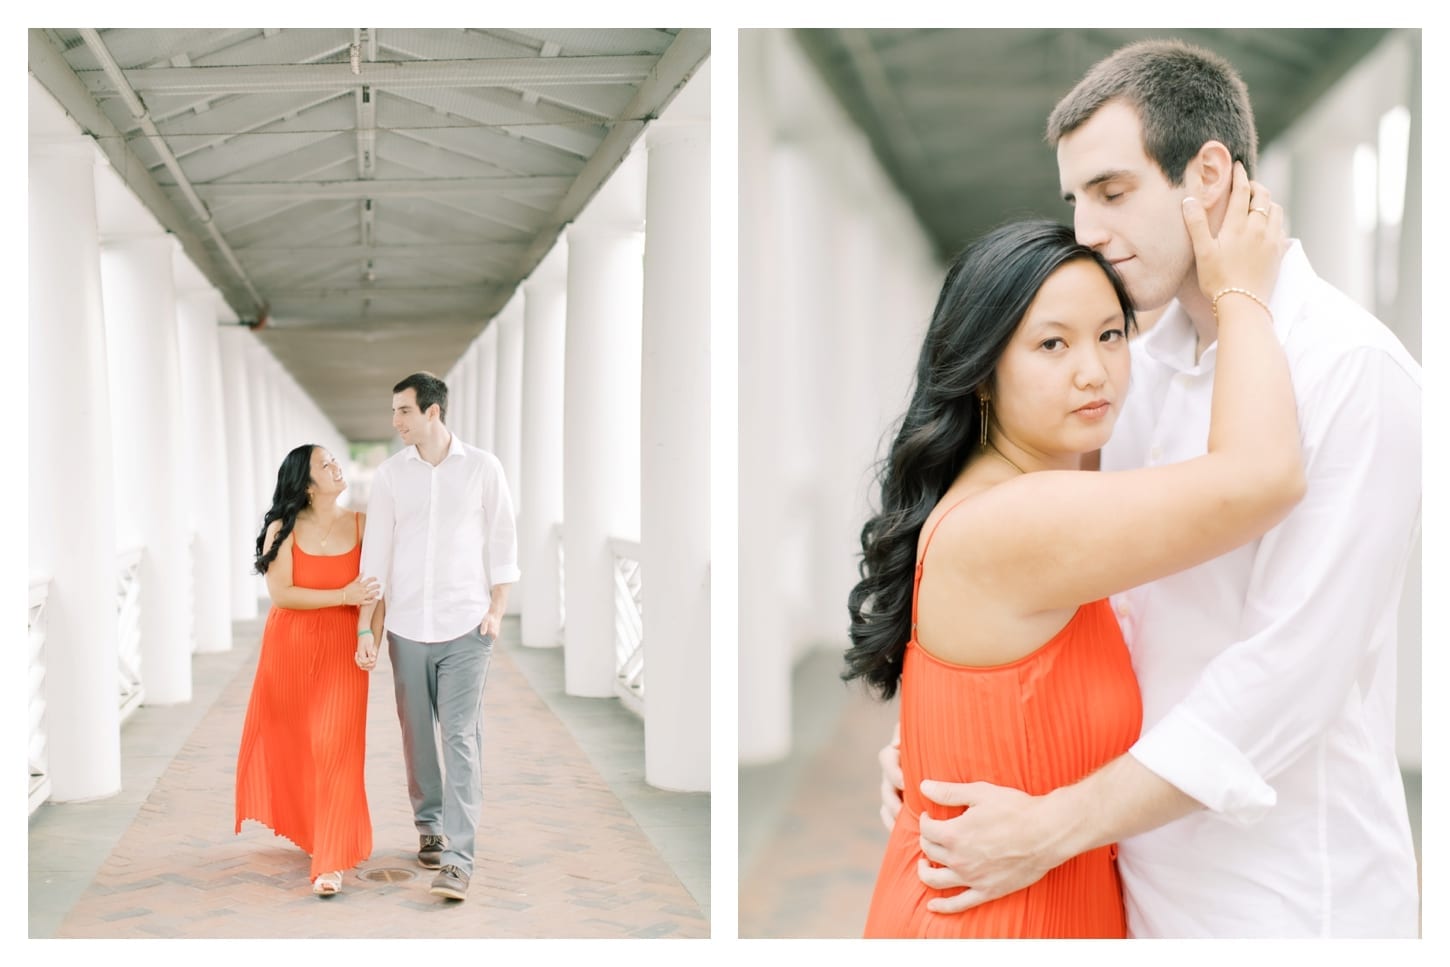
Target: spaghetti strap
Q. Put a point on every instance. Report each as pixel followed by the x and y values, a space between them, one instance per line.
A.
pixel 943 517
pixel 916 579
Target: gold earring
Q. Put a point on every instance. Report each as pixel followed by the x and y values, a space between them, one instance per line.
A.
pixel 984 408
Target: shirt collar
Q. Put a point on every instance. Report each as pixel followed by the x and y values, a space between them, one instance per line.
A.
pixel 455 446
pixel 1172 339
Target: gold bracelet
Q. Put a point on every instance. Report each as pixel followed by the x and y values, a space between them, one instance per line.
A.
pixel 344 597
pixel 1223 292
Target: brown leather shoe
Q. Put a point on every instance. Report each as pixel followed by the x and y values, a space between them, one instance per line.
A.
pixel 430 852
pixel 451 882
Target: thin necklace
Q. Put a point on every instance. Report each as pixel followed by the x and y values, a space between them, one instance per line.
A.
pixel 1005 457
pixel 334 522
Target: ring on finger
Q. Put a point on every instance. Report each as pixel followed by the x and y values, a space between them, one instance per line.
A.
pixel 1260 211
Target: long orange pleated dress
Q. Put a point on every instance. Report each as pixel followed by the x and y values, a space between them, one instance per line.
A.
pixel 1046 720
pixel 300 766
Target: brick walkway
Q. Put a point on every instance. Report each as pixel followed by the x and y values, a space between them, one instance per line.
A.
pixel 813 875
pixel 559 855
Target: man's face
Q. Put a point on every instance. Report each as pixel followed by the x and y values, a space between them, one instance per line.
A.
pixel 1123 205
pixel 411 424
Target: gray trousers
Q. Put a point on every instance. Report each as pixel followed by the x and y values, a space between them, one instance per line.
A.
pixel 439 691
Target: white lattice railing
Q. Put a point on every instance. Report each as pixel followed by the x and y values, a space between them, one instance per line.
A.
pixel 628 624
pixel 36 752
pixel 128 628
pixel 559 548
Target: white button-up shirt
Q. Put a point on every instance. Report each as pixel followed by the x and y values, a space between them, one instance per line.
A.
pixel 1268 674
pixel 438 538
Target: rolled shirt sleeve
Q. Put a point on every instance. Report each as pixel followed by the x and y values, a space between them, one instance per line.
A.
pixel 501 545
pixel 1322 597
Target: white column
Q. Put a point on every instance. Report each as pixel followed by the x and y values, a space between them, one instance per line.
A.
pixel 541 505
pixel 675 456
pixel 1332 241
pixel 71 519
pixel 767 390
pixel 601 420
pixel 485 388
pixel 508 395
pixel 264 446
pixel 284 424
pixel 856 429
pixel 243 514
pixel 806 412
pixel 508 399
pixel 205 469
pixel 140 308
pixel 476 431
pixel 462 396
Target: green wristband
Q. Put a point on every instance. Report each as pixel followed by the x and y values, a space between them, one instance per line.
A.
pixel 365 631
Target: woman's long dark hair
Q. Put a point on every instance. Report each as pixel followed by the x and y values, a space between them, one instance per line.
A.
pixel 289 497
pixel 987 291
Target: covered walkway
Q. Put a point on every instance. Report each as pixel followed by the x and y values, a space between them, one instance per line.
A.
pixel 239 241
pixel 572 842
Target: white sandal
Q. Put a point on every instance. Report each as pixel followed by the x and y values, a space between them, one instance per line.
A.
pixel 328 883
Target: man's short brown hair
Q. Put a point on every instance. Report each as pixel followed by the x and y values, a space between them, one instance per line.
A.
pixel 1184 96
pixel 428 389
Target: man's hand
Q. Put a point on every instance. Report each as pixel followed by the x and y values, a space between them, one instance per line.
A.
pixel 491 624
pixel 1005 841
pixel 891 781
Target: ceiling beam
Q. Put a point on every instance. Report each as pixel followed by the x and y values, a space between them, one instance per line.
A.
pixel 373 328
pixel 419 251
pixel 675 66
pixel 361 291
pixel 492 72
pixel 50 68
pixel 393 188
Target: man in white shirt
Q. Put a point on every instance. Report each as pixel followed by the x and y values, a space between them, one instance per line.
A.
pixel 1264 797
pixel 440 539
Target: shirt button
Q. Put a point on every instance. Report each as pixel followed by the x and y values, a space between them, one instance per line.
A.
pixel 1123 611
pixel 1155 454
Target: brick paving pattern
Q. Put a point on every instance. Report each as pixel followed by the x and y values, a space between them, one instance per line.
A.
pixel 815 874
pixel 558 854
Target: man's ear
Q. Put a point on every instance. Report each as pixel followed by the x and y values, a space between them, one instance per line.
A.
pixel 1209 174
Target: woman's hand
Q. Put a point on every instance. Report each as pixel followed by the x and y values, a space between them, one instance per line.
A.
pixel 361 591
pixel 1250 243
pixel 367 651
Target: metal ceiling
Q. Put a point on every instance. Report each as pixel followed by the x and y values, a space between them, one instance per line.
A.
pixel 957 116
pixel 374 195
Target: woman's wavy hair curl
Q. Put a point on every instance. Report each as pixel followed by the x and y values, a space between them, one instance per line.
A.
pixel 289 497
pixel 987 291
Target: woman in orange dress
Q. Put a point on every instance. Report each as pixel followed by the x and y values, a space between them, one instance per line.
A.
pixel 300 767
pixel 986 574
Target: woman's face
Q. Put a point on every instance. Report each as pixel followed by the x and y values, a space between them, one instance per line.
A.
pixel 326 474
pixel 1058 387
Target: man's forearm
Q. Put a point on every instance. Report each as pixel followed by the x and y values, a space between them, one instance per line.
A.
pixel 1121 799
pixel 498 598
